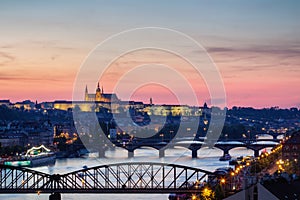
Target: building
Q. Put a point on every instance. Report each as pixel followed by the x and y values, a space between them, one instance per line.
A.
pixel 39 137
pixel 26 105
pixel 291 150
pixel 13 138
pixel 100 96
pixel 174 110
pixel 5 103
pixel 291 147
pixel 110 101
pixel 91 102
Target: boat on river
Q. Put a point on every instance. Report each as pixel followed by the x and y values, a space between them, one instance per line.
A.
pixel 36 156
pixel 225 157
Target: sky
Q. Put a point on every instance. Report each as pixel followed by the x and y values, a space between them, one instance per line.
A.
pixel 254 45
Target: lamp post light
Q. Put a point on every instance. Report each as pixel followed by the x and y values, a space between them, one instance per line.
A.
pixel 223 181
pixel 232 181
pixel 162 137
pixel 194 197
pixel 171 135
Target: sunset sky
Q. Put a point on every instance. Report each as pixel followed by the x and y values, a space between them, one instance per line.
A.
pixel 254 44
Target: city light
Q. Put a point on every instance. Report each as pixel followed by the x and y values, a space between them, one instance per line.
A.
pixel 194 197
pixel 207 193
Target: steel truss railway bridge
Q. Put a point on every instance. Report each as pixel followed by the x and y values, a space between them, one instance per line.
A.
pixel 130 177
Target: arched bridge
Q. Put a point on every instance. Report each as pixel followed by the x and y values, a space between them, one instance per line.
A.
pixel 274 135
pixel 130 177
pixel 256 146
pixel 195 144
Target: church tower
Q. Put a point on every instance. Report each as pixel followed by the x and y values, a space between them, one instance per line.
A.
pixel 98 93
pixel 86 94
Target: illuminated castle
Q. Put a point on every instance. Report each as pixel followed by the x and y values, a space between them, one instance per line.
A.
pixel 100 96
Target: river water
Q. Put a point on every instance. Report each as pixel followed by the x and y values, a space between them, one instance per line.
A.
pixel 208 159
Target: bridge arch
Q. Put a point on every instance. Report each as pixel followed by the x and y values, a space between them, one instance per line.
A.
pixel 244 148
pixel 148 146
pixel 160 149
pixel 135 176
pixel 274 135
pixel 131 149
pixel 129 177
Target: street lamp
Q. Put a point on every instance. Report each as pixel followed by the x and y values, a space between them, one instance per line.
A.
pixel 171 135
pixel 223 180
pixel 162 137
pixel 194 197
pixel 232 181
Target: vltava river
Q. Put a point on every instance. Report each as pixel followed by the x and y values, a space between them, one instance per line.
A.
pixel 208 159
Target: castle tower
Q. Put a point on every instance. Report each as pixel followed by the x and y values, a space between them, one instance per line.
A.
pixel 86 94
pixel 98 93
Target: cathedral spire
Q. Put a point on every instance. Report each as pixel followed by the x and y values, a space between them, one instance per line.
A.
pixel 86 94
pixel 98 89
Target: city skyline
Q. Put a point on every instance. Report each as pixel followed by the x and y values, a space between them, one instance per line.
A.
pixel 255 46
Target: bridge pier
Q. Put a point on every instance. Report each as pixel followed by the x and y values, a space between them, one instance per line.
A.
pixel 130 153
pixel 225 151
pixel 161 153
pixel 256 153
pixel 194 153
pixel 101 153
pixel 55 196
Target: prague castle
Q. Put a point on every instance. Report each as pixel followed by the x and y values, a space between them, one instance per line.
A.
pixel 98 100
pixel 100 96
